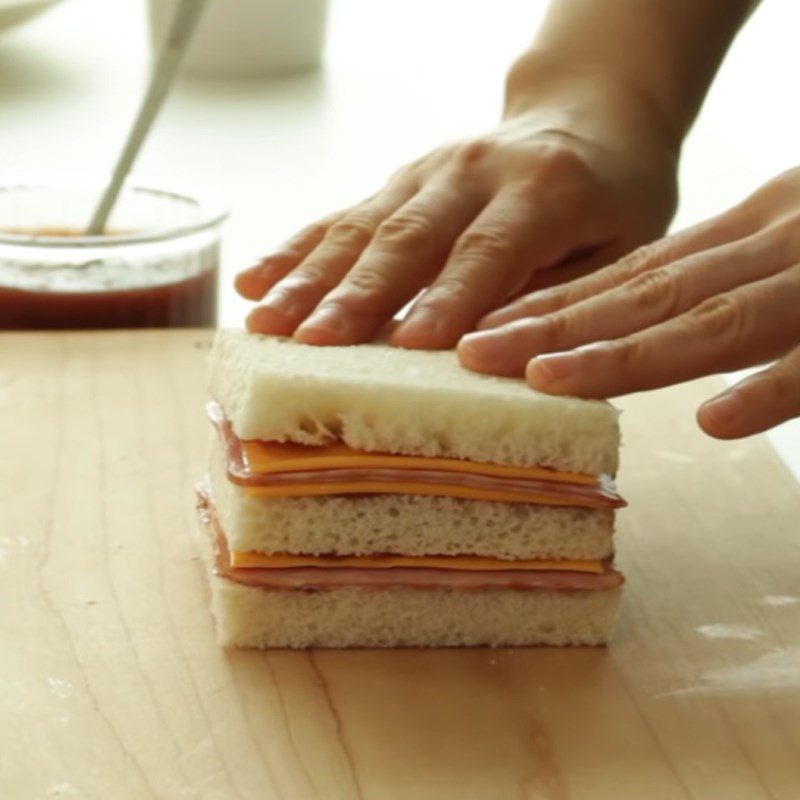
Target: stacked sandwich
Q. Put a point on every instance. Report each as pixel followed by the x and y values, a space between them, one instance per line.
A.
pixel 372 496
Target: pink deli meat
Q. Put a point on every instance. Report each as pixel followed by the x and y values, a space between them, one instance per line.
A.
pixel 323 578
pixel 601 495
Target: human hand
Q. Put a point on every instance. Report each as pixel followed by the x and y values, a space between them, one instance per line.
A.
pixel 551 192
pixel 721 296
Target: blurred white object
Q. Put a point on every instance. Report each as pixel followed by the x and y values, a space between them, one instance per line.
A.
pixel 249 37
pixel 12 12
pixel 178 38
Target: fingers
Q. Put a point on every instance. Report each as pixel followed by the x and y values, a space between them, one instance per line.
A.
pixel 729 227
pixel 747 326
pixel 406 250
pixel 490 260
pixel 254 282
pixel 645 300
pixel 505 350
pixel 757 403
pixel 574 266
pixel 296 293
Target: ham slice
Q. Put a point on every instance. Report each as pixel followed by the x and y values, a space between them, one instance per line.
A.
pixel 600 494
pixel 326 578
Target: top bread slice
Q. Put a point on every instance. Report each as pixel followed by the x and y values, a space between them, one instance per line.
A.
pixel 386 399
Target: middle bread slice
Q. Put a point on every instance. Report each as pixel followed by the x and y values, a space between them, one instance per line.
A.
pixel 407 524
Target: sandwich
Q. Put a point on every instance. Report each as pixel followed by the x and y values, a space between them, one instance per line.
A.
pixel 370 496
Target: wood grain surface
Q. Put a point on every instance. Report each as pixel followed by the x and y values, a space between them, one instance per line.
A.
pixel 111 685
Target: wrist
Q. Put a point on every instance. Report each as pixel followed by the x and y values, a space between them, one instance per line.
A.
pixel 590 99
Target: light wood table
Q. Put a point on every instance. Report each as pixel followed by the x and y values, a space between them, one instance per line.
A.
pixel 111 685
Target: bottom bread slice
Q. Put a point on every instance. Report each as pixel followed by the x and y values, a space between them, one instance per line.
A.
pixel 353 617
pixel 252 616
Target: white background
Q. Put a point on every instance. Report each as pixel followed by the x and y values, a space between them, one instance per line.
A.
pixel 399 79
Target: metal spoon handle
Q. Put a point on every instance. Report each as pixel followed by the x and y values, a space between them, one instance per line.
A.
pixel 172 51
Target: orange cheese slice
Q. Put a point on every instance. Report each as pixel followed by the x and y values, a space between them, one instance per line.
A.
pixel 249 559
pixel 264 458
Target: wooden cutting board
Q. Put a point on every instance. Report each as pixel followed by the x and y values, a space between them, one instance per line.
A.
pixel 111 685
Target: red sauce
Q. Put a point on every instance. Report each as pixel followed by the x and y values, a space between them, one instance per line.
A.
pixel 190 302
pixel 176 291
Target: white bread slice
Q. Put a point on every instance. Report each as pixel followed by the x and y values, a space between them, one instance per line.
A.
pixel 406 524
pixel 386 399
pixel 351 617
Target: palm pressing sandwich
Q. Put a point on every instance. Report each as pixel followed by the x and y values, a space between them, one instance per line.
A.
pixel 377 497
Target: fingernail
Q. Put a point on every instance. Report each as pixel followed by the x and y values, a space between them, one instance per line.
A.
pixel 284 304
pixel 248 286
pixel 267 320
pixel 421 322
pixel 483 344
pixel 492 351
pixel 325 320
pixel 251 322
pixel 553 367
pixel 724 409
pixel 275 300
pixel 261 321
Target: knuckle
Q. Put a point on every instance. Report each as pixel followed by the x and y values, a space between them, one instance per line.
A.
pixel 362 287
pixel 411 230
pixel 351 232
pixel 558 173
pixel 555 299
pixel 484 244
pixel 467 155
pixel 635 262
pixel 555 328
pixel 309 277
pixel 560 163
pixel 720 315
pixel 654 289
pixel 624 353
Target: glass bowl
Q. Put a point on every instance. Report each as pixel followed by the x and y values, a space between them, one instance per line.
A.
pixel 156 266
